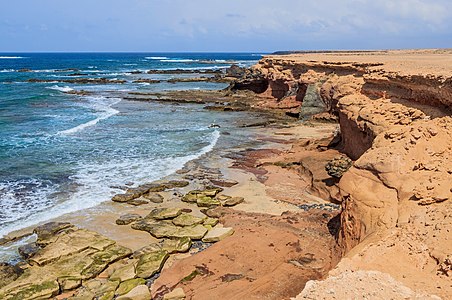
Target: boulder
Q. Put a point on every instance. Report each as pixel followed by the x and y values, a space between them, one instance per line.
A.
pixel 151 263
pixel 217 234
pixel 187 220
pixel 127 219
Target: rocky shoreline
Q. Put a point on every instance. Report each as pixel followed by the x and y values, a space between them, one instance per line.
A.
pixel 361 197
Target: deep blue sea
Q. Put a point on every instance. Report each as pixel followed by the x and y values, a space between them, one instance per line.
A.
pixel 61 152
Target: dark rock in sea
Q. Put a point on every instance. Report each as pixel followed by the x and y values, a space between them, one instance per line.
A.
pixel 77 74
pixel 24 70
pixel 144 80
pixel 28 250
pixel 80 80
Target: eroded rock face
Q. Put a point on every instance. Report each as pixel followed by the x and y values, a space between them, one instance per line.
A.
pixel 393 123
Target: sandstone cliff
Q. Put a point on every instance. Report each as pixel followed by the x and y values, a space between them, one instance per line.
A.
pixel 394 110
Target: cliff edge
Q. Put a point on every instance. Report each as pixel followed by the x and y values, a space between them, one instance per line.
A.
pixel 394 111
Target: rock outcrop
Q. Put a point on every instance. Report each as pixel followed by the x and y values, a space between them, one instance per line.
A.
pixel 394 111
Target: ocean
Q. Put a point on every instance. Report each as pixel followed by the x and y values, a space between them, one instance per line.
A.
pixel 63 152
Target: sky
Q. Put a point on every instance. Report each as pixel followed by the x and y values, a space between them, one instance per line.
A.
pixel 222 26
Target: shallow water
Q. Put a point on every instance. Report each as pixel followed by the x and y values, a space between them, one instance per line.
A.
pixel 62 153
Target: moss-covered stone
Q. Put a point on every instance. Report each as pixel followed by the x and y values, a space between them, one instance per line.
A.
pixel 207 202
pixel 164 213
pixel 177 245
pixel 196 232
pixel 151 263
pixel 128 285
pixel 210 221
pixel 103 258
pixel 187 220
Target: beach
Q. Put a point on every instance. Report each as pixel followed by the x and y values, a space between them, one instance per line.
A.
pixel 320 170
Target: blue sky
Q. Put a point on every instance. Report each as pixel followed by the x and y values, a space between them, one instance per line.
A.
pixel 228 25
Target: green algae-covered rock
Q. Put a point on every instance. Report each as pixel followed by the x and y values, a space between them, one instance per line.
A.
pixel 207 202
pixel 158 229
pixel 177 245
pixel 191 197
pixel 128 285
pixel 140 292
pixel 124 273
pixel 41 290
pixel 196 232
pixel 187 220
pixel 210 221
pixel 103 258
pixel 151 263
pixel 164 213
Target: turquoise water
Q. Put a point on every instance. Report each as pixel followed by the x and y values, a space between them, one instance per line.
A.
pixel 61 153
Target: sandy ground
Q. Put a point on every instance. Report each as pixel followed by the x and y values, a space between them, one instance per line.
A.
pixel 405 62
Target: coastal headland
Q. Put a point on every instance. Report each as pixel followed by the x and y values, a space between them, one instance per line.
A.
pixel 344 193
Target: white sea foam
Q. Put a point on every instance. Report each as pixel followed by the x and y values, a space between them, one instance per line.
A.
pixel 174 60
pixel 99 104
pixel 94 181
pixel 11 57
pixel 156 57
pixel 60 88
pixel 7 70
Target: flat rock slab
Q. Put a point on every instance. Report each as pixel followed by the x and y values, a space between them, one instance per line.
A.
pixel 224 182
pixel 210 221
pixel 127 219
pixel 140 292
pixel 178 245
pixel 196 232
pixel 154 197
pixel 138 201
pixel 164 213
pixel 217 234
pixel 151 263
pixel 69 243
pixel 187 220
pixel 207 202
pixel 128 285
pixel 233 201
pixel 124 273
